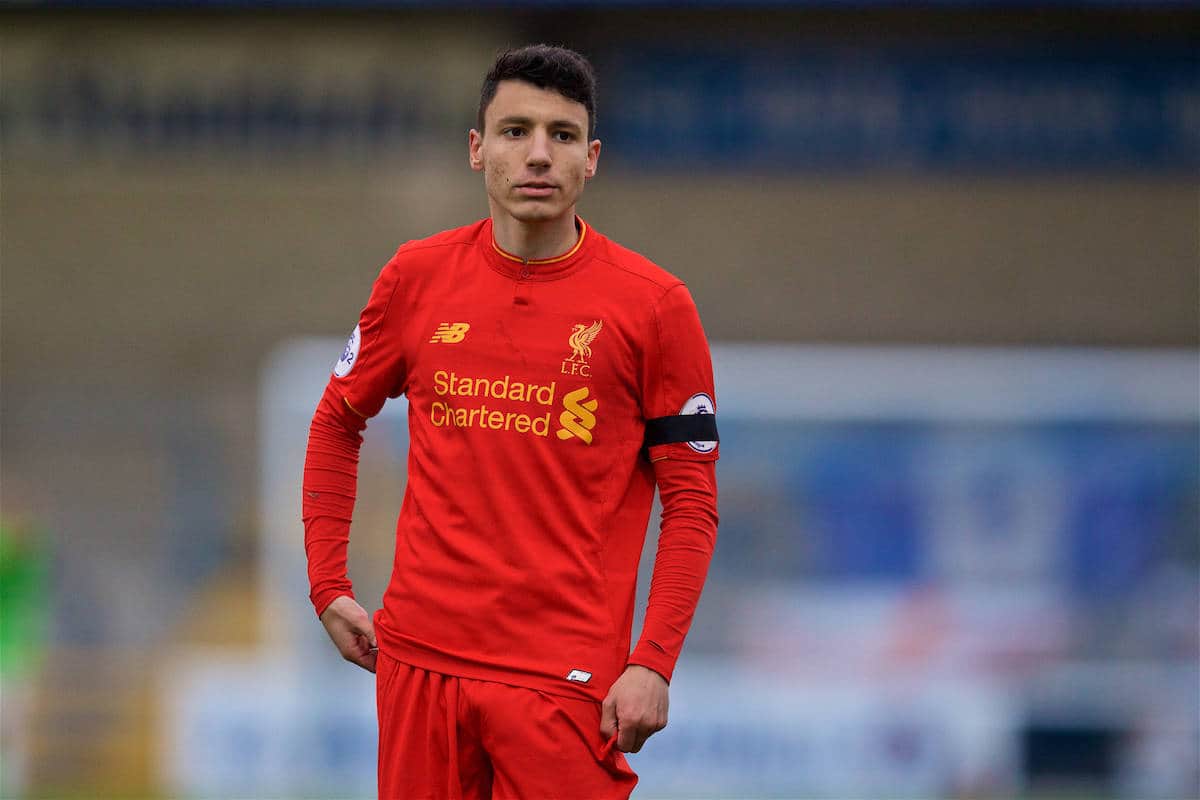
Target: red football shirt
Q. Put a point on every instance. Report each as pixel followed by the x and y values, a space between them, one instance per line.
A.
pixel 529 489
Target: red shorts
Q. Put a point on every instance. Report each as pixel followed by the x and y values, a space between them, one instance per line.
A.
pixel 443 737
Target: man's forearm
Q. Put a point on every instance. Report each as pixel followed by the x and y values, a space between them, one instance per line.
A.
pixel 329 488
pixel 688 491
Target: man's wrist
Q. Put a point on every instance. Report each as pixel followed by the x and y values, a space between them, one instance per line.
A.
pixel 323 600
pixel 661 665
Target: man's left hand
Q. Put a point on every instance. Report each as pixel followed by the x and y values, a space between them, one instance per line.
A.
pixel 635 708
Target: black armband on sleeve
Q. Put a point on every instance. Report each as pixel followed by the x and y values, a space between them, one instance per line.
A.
pixel 681 428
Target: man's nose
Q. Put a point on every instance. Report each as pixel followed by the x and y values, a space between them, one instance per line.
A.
pixel 539 149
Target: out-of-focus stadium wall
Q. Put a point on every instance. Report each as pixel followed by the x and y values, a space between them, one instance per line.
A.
pixel 183 191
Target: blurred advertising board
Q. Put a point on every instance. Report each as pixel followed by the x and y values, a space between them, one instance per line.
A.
pixel 806 105
pixel 935 567
pixel 238 725
pixel 950 107
pixel 259 728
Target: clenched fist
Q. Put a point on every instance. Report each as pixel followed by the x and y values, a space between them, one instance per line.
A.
pixel 636 708
pixel 350 628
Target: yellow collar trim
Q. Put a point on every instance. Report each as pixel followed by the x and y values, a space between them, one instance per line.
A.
pixel 583 229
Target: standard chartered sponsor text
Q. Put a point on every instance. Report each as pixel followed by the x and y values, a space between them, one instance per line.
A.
pixel 469 415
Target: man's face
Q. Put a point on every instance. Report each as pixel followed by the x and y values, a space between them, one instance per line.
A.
pixel 533 152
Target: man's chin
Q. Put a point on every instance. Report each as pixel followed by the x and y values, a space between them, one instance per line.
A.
pixel 537 213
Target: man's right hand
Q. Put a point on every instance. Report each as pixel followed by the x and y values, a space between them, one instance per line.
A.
pixel 350 628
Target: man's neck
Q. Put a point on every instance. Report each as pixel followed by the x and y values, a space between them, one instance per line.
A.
pixel 533 241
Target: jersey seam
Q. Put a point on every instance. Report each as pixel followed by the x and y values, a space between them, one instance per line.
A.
pixel 382 317
pixel 658 332
pixel 660 284
pixel 609 509
pixel 409 247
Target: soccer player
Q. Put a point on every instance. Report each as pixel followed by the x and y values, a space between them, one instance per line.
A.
pixel 554 379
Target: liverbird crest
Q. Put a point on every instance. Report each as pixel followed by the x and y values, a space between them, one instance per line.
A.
pixel 581 340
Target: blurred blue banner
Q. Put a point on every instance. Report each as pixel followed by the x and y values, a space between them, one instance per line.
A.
pixel 1094 507
pixel 1035 108
pixel 812 108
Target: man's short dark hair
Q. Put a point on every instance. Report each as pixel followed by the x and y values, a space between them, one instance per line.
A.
pixel 546 67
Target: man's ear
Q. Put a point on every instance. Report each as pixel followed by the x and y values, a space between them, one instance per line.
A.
pixel 475 150
pixel 593 158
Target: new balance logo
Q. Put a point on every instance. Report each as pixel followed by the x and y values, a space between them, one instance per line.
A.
pixel 450 332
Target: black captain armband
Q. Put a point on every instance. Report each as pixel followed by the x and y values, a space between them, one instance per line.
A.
pixel 681 428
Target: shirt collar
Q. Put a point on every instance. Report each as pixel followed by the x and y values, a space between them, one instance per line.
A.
pixel 537 268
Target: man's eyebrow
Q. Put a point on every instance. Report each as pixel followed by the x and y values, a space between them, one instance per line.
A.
pixel 529 123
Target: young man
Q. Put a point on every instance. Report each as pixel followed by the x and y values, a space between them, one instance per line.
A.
pixel 554 379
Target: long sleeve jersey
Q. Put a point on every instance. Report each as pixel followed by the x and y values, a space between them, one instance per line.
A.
pixel 546 401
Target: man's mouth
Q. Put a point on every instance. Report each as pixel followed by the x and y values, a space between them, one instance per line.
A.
pixel 535 188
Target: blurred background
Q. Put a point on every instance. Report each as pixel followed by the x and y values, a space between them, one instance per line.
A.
pixel 948 256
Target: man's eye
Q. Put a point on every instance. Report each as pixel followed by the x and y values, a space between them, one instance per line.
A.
pixel 513 132
pixel 564 136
